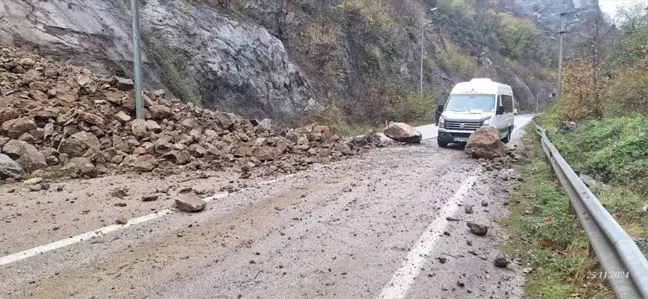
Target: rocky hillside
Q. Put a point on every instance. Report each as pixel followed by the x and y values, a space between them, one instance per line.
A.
pixel 547 12
pixel 354 61
pixel 62 120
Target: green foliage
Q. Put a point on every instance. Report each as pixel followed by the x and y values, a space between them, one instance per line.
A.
pixel 415 108
pixel 375 14
pixel 628 92
pixel 487 25
pixel 615 150
pixel 462 63
pixel 545 237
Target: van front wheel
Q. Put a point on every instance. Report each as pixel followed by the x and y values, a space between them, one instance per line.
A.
pixel 442 143
pixel 508 136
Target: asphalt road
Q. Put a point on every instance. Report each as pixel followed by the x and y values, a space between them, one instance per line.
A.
pixel 375 226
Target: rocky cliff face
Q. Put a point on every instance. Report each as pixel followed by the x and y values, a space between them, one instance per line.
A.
pixel 547 12
pixel 195 51
pixel 261 58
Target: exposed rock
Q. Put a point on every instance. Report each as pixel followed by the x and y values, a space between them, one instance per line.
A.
pixel 139 129
pixel 80 144
pixel 160 112
pixel 33 181
pixel 468 209
pixel 178 157
pixel 197 151
pixel 13 148
pixel 56 105
pixel 225 119
pixel 122 117
pixel 145 163
pixel 121 220
pixel 153 126
pixel 18 126
pixel 9 168
pixel 8 113
pixel 150 197
pixel 501 261
pixel 343 148
pixel 190 203
pixel 566 126
pixel 263 126
pixel 265 153
pixel 485 143
pixel 31 159
pixel 124 84
pixel 403 133
pixel 92 119
pixel 477 229
pixel 80 167
pixel 592 184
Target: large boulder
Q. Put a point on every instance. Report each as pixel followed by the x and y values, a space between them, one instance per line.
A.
pixel 80 144
pixel 9 168
pixel 485 143
pixel 403 132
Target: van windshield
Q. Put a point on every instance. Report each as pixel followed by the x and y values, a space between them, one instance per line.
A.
pixel 467 102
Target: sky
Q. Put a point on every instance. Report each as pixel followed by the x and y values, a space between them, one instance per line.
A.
pixel 610 6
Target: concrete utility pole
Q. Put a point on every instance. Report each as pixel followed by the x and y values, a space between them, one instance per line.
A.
pixel 560 54
pixel 422 54
pixel 137 61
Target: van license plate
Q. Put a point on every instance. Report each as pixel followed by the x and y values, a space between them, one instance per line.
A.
pixel 461 139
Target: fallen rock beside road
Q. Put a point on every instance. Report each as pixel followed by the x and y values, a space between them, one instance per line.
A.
pixel 403 132
pixel 485 143
pixel 190 203
pixel 54 113
pixel 477 229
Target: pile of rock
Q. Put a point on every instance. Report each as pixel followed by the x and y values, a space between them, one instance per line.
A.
pixel 485 143
pixel 64 119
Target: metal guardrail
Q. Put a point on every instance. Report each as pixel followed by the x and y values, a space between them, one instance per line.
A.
pixel 624 266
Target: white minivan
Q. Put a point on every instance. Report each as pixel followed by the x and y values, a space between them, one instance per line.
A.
pixel 480 102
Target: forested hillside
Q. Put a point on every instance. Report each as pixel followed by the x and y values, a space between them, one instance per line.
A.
pixel 354 62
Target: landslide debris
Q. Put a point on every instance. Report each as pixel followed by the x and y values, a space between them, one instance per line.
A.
pixel 64 120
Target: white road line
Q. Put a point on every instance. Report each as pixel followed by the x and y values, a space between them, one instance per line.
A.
pixel 8 259
pixel 403 279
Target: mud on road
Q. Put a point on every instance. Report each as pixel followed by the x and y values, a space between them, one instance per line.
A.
pixel 388 224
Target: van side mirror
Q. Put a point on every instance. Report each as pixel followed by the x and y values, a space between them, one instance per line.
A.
pixel 500 110
pixel 439 108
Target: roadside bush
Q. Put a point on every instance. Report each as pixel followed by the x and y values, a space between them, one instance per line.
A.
pixel 628 93
pixel 414 108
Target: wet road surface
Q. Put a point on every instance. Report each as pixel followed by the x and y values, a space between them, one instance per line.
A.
pixel 388 224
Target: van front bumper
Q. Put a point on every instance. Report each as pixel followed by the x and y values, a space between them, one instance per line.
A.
pixel 453 136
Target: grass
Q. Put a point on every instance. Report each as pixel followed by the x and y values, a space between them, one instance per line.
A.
pixel 615 152
pixel 545 237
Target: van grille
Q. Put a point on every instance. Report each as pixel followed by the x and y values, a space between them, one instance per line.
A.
pixel 462 125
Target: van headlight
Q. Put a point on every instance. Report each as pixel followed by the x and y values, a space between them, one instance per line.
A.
pixel 442 121
pixel 486 123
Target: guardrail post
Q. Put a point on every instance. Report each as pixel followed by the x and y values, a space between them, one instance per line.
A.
pixel 590 250
pixel 572 211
